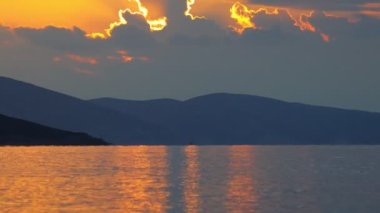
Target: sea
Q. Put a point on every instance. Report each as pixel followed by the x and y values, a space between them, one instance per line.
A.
pixel 267 179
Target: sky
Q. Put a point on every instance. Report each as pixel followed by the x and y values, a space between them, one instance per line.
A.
pixel 322 52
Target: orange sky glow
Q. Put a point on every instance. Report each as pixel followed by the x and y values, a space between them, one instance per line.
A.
pixel 99 17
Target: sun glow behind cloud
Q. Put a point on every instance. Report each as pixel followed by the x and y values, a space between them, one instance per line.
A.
pixel 244 16
pixel 89 15
pixel 189 7
pixel 140 10
pixel 99 18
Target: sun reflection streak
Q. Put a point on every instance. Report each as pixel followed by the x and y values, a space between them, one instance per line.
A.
pixel 191 182
pixel 241 188
pixel 84 179
pixel 145 187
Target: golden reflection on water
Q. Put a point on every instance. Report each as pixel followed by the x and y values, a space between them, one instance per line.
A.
pixel 191 181
pixel 48 179
pixel 146 187
pixel 126 179
pixel 240 186
pixel 188 179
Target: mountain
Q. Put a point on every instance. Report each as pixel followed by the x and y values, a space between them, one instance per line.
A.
pixel 246 119
pixel 32 103
pixel 211 119
pixel 23 133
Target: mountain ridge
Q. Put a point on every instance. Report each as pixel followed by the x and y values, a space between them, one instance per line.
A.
pixel 39 105
pixel 225 94
pixel 254 114
pixel 16 132
pixel 213 119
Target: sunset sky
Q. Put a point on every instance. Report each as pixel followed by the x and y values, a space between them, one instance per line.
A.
pixel 324 52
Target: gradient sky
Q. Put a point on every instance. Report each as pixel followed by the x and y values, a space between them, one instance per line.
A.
pixel 324 52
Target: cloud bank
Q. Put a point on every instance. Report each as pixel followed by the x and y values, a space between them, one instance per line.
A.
pixel 193 56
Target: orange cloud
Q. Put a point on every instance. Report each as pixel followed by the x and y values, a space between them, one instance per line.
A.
pixel 82 59
pixel 366 9
pixel 244 16
pixel 325 37
pixel 349 16
pixel 371 9
pixel 241 15
pixel 124 57
pixel 301 19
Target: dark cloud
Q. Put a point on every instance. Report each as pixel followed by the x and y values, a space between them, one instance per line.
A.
pixel 175 10
pixel 340 28
pixel 5 34
pixel 134 35
pixel 201 41
pixel 131 37
pixel 67 40
pixel 345 5
pixel 276 36
pixel 184 25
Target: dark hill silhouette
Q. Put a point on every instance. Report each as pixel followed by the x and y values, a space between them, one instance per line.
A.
pixel 32 103
pixel 16 132
pixel 210 119
pixel 246 119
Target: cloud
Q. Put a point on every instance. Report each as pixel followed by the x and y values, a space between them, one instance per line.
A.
pixel 82 59
pixel 347 5
pixel 352 10
pixel 202 41
pixel 131 37
pixel 194 57
pixel 339 28
pixel 5 33
pixel 59 38
pixel 134 35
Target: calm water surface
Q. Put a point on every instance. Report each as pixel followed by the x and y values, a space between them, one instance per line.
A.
pixel 190 179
